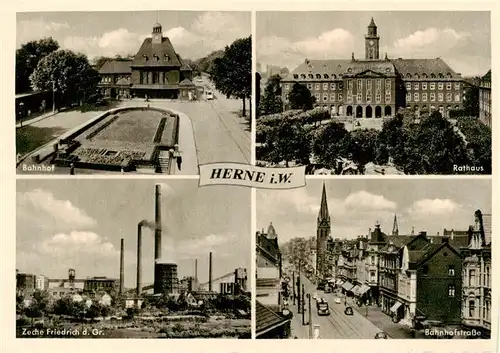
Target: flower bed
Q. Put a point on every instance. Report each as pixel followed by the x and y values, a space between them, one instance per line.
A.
pixel 107 157
pixel 159 130
pixel 102 127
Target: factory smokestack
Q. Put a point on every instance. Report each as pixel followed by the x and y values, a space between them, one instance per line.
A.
pixel 121 266
pixel 158 222
pixel 196 270
pixel 210 272
pixel 139 257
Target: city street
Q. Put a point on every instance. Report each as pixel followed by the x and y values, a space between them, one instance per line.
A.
pixel 337 324
pixel 210 131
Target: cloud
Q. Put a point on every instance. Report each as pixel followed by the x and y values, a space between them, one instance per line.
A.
pixel 202 245
pixel 42 207
pixel 208 32
pixel 431 40
pixel 433 208
pixel 363 200
pixel 78 243
pixel 335 43
pixel 37 29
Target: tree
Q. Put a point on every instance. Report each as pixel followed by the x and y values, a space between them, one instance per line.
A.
pixel 329 143
pixel 478 138
pixel 39 305
pixel 362 146
pixel 288 140
pixel 271 102
pixel 300 97
pixel 232 73
pixel 27 59
pixel 19 304
pixel 471 100
pixel 70 74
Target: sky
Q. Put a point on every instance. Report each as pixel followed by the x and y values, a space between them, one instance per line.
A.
pixel 193 34
pixel 356 205
pixel 462 39
pixel 78 224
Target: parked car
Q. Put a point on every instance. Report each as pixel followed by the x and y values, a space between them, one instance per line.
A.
pixel 209 95
pixel 337 300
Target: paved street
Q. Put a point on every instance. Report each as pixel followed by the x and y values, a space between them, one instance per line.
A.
pixel 210 131
pixel 337 324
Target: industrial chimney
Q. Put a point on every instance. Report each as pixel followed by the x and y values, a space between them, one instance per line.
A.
pixel 139 256
pixel 158 222
pixel 196 270
pixel 121 267
pixel 210 272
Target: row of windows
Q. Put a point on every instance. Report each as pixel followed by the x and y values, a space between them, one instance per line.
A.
pixel 486 278
pixel 154 78
pixel 432 85
pixel 339 85
pixel 432 96
pixel 486 310
pixel 378 97
pixel 388 70
pixel 332 96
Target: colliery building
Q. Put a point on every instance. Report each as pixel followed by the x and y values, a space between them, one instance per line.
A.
pixel 374 87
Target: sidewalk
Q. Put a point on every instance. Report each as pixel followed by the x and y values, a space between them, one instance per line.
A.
pixel 383 321
pixel 34 120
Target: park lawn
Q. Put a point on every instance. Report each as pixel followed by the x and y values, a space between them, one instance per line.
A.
pixel 29 138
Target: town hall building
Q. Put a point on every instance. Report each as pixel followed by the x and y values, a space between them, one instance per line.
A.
pixel 374 88
pixel 156 71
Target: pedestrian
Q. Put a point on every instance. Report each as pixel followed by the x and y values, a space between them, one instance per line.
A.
pixel 179 162
pixel 72 169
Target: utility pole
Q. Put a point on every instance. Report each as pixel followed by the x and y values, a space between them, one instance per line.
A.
pixel 310 317
pixel 303 304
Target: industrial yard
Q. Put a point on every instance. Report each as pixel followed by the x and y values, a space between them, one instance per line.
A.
pixel 201 295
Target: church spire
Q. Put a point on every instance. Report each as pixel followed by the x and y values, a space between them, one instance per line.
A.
pixel 395 229
pixel 323 214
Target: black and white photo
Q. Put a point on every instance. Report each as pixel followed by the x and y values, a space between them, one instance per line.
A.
pixel 156 262
pixel 375 259
pixel 375 93
pixel 97 93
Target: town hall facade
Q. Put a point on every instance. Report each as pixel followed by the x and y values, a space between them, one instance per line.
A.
pixel 375 87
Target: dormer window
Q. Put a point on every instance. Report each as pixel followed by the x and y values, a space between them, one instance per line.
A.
pixel 303 76
pixel 144 57
pixel 156 57
pixel 349 70
pixel 387 69
pixel 417 76
pixel 433 76
pixel 295 76
pixel 310 76
pixel 166 57
pixel 325 76
pixel 318 76
pixel 424 75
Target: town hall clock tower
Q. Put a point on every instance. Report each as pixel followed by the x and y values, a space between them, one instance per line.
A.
pixel 372 42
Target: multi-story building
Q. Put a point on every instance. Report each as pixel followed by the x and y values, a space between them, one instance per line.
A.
pixel 156 71
pixel 98 284
pixel 25 283
pixel 476 276
pixel 322 235
pixel 485 99
pixel 375 87
pixel 41 282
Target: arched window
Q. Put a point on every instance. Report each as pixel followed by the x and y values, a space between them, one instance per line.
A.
pixel 310 76
pixel 349 70
pixel 318 76
pixel 295 76
pixel 303 76
pixel 325 76
pixel 408 75
pixel 433 76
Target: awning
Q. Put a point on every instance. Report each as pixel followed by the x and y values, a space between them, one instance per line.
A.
pixel 356 289
pixel 364 288
pixel 395 307
pixel 347 286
